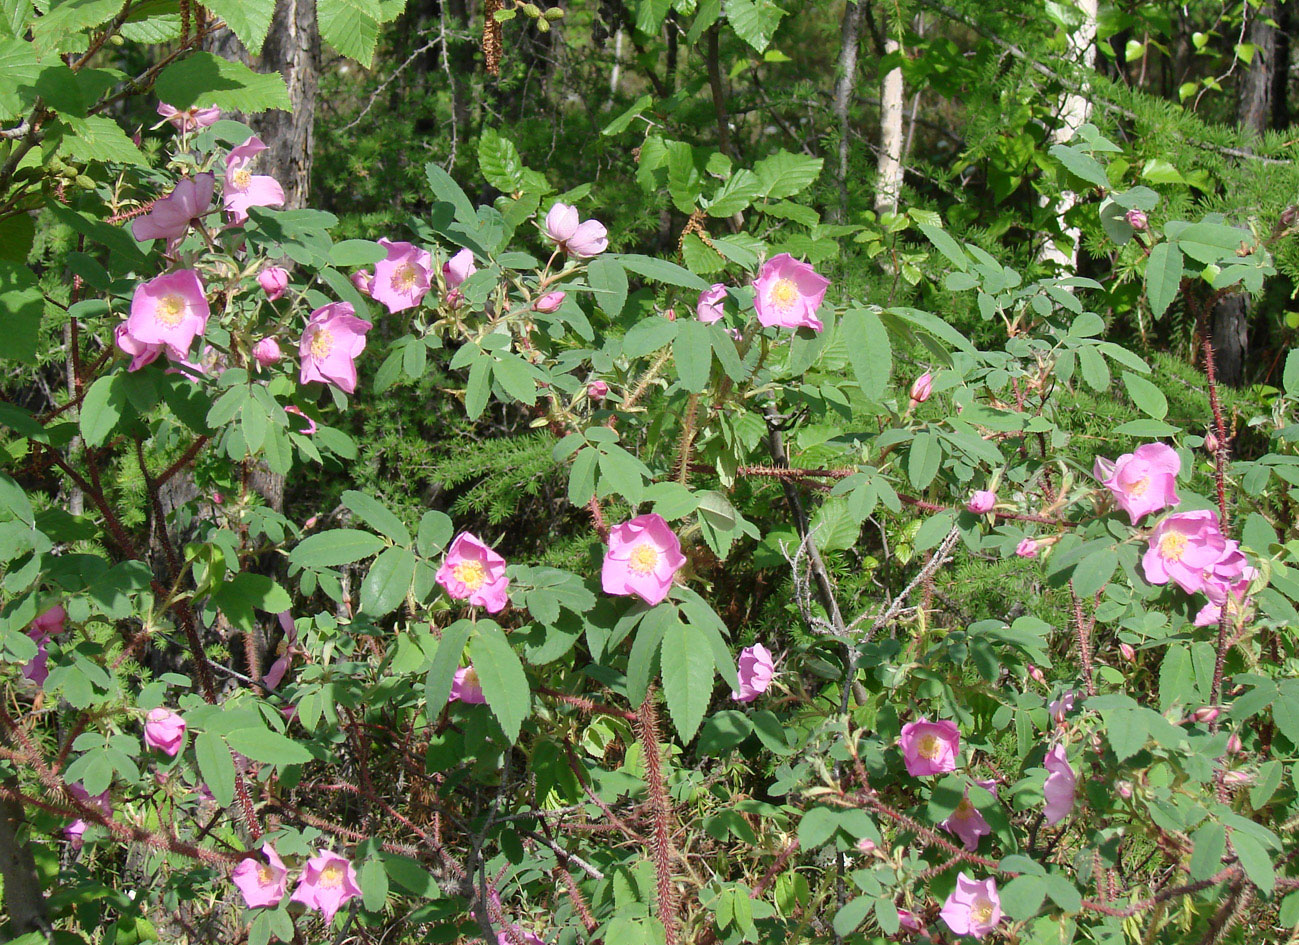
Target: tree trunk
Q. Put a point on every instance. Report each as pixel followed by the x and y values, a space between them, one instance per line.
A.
pixel 889 166
pixel 849 44
pixel 1281 66
pixel 24 898
pixel 292 49
pixel 1253 112
pixel 1075 110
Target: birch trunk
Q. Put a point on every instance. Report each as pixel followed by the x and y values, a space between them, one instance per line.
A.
pixel 849 44
pixel 889 166
pixel 1075 111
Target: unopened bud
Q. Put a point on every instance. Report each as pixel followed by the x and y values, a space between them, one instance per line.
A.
pixel 597 390
pixel 274 281
pixel 866 845
pixel 1137 219
pixel 670 314
pixel 1211 442
pixel 1124 789
pixel 218 498
pixel 549 302
pixel 1036 674
pixel 1206 714
pixel 266 352
pixel 921 388
pixel 1233 744
pixel 362 280
pixel 1127 652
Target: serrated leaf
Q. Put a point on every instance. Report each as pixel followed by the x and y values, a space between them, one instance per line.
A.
pixel 1149 399
pixel 335 548
pixel 754 21
pixel 388 581
pixel 499 161
pixel 1081 164
pixel 216 766
pixel 505 685
pixel 101 408
pixel 869 350
pixel 784 174
pixel 1163 276
pixel 250 20
pixel 203 79
pixel 686 662
pixel 261 744
pixel 350 27
pixel 693 352
pixel 446 660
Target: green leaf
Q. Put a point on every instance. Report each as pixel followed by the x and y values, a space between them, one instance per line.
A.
pixel 101 408
pixel 203 79
pixel 723 731
pixel 216 766
pixel 923 459
pixel 261 744
pixel 1093 572
pixel 350 27
pixel 435 531
pixel 1163 276
pixel 250 20
pixel 335 548
pixel 1290 377
pixel 607 278
pixel 410 875
pixel 448 191
pixel 1149 399
pixel 1022 896
pixel 446 660
pixel 500 163
pixel 645 646
pixel 370 511
pixel 514 375
pixel 869 350
pixel 621 123
pixel 734 194
pixel 660 270
pixel 785 174
pixel 754 21
pixel 1255 859
pixel 851 915
pixel 1081 164
pixel 686 661
pixel 693 352
pixel 505 685
pixel 388 581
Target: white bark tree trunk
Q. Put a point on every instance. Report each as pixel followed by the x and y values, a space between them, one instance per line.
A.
pixel 889 165
pixel 1075 111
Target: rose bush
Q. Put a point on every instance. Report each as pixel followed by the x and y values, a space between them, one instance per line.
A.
pixel 454 742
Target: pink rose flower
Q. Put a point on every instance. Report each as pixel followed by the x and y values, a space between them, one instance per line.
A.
pixel 171 216
pixel 756 671
pixel 967 823
pixel 275 675
pixel 77 828
pixel 189 119
pixel 49 623
pixel 549 302
pixel 581 239
pixel 1182 547
pixel 363 281
pixel 243 188
pixel 1143 481
pixel 982 501
pixel 597 390
pixel 466 688
pixel 262 884
pixel 170 310
pixel 164 730
pixel 930 747
pixel 310 427
pixel 709 307
pixel 140 353
pixel 910 922
pixel 972 908
pixel 458 268
pixel 328 881
pixel 643 557
pixel 474 572
pixel 1059 708
pixel 331 342
pixel 402 279
pixel 788 293
pixel 1027 548
pixel 273 281
pixel 1061 784
pixel 267 352
pixel 921 388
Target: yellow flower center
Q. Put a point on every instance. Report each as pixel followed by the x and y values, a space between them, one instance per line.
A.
pixel 322 342
pixel 170 310
pixel 242 178
pixel 1172 546
pixel 1139 487
pixel 471 574
pixel 981 911
pixel 644 559
pixel 470 679
pixel 964 810
pixel 930 747
pixel 265 875
pixel 331 877
pixel 784 294
pixel 404 278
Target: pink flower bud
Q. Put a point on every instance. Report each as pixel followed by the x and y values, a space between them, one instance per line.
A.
pixel 310 523
pixel 1127 652
pixel 362 280
pixel 549 302
pixel 921 388
pixel 1137 219
pixel 1206 714
pixel 1237 778
pixel 982 501
pixel 1233 744
pixel 597 390
pixel 273 281
pixel 218 498
pixel 266 352
pixel 1027 548
pixel 1125 789
pixel 866 846
pixel 1211 442
pixel 670 314
pixel 1036 674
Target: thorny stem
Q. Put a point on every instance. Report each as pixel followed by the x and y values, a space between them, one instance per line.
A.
pixel 1083 629
pixel 647 727
pixel 1220 479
